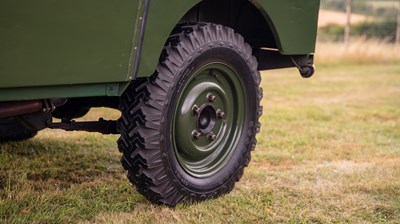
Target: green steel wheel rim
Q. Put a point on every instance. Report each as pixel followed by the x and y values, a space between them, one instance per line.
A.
pixel 208 119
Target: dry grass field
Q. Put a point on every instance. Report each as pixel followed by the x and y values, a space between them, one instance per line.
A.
pixel 360 52
pixel 328 152
pixel 327 17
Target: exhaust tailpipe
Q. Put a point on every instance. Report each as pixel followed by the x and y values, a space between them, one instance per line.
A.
pixel 10 109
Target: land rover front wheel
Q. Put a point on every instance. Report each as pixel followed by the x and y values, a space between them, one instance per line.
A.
pixel 187 131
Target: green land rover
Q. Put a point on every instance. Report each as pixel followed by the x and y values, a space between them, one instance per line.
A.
pixel 184 74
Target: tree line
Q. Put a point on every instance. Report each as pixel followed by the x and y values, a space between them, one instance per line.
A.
pixel 385 22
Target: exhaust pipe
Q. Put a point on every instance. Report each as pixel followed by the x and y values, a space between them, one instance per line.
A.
pixel 10 109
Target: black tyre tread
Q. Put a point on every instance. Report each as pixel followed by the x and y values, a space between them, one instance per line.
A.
pixel 12 130
pixel 142 114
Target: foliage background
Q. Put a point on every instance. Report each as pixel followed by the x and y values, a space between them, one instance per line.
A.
pixel 382 23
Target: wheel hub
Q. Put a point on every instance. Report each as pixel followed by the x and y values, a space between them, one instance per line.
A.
pixel 208 119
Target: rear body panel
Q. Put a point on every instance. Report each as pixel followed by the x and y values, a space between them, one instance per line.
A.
pixel 82 48
pixel 47 42
pixel 294 23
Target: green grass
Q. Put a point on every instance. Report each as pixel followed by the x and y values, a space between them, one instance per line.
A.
pixel 328 152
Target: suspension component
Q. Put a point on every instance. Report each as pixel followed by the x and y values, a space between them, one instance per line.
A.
pixel 101 126
pixel 307 71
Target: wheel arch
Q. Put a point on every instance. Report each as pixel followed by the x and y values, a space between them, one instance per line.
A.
pixel 247 18
pixel 236 14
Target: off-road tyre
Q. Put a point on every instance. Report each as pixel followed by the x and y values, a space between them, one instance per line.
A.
pixel 155 164
pixel 12 130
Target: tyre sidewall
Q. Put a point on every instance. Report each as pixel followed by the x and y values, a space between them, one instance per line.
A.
pixel 236 60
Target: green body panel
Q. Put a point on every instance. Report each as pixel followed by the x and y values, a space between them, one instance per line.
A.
pixel 161 19
pixel 55 45
pixel 48 42
pixel 70 91
pixel 294 23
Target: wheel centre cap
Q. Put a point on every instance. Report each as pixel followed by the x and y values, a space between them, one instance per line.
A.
pixel 206 119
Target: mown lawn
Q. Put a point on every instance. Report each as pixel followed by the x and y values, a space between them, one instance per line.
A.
pixel 329 151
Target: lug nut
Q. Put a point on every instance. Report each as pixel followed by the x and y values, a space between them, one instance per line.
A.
pixel 211 98
pixel 195 110
pixel 196 134
pixel 220 114
pixel 211 137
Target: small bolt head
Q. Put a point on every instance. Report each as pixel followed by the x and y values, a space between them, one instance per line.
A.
pixel 195 110
pixel 211 137
pixel 220 114
pixel 196 134
pixel 211 98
